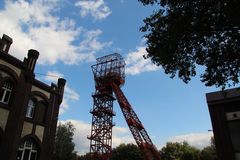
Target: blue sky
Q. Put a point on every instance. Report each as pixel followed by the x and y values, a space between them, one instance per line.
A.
pixel 70 34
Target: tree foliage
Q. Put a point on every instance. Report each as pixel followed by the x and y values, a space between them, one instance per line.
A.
pixel 126 152
pixel 64 146
pixel 121 152
pixel 209 152
pixel 89 156
pixel 179 151
pixel 172 151
pixel 184 34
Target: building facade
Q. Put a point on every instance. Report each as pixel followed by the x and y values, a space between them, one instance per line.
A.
pixel 28 108
pixel 224 108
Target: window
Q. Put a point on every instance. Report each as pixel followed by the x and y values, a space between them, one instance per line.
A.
pixel 4 47
pixel 30 109
pixel 27 151
pixel 5 92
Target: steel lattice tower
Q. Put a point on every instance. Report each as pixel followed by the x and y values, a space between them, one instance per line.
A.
pixel 109 76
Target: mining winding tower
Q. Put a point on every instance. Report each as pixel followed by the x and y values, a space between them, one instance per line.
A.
pixel 109 76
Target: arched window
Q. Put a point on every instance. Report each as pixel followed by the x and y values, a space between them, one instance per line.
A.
pixel 30 109
pixel 27 150
pixel 5 92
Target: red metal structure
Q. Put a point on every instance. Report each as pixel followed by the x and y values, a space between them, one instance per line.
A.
pixel 109 76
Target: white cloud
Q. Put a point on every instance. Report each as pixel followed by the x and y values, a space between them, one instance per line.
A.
pixel 96 8
pixel 91 42
pixel 82 144
pixel 52 76
pixel 136 64
pixel 199 140
pixel 69 94
pixel 32 24
pixel 121 135
pixel 80 135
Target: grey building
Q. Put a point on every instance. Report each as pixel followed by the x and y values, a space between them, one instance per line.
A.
pixel 224 108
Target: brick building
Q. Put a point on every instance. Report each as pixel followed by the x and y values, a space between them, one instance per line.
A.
pixel 28 108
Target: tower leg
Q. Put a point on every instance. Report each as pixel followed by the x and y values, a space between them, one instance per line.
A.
pixel 101 131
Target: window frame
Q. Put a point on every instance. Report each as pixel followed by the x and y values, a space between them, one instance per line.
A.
pixel 7 89
pixel 28 145
pixel 4 47
pixel 41 110
pixel 31 107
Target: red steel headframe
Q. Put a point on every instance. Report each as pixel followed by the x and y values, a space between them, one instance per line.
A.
pixel 109 76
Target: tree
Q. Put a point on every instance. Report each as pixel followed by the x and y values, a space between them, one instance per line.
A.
pixel 179 151
pixel 126 152
pixel 122 152
pixel 64 146
pixel 183 34
pixel 209 152
pixel 89 156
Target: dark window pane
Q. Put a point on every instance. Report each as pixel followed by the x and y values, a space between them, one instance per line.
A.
pixel 7 95
pixel 28 143
pixel 1 94
pixel 31 112
pixel 26 154
pixel 34 147
pixel 33 156
pixel 19 154
pixel 21 145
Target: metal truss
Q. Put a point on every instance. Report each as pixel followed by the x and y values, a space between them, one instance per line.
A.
pixel 109 76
